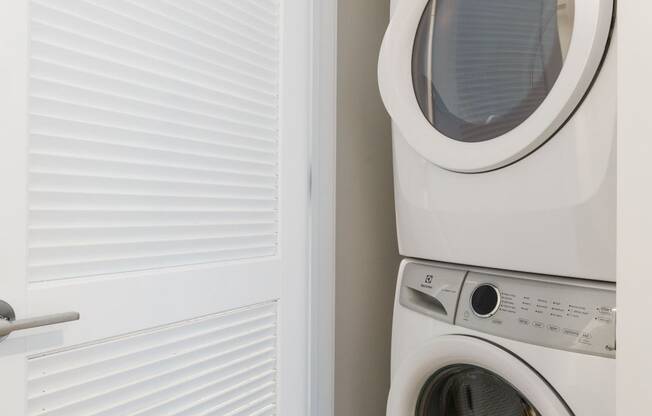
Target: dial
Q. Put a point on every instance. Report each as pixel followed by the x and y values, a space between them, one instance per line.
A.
pixel 485 300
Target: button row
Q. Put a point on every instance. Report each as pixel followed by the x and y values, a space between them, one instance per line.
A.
pixel 554 328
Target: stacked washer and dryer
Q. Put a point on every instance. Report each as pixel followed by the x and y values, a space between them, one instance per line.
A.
pixel 504 129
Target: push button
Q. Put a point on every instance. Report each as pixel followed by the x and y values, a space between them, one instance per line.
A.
pixel 553 328
pixel 571 332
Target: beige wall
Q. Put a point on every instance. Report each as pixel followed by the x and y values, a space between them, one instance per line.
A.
pixel 367 256
pixel 634 208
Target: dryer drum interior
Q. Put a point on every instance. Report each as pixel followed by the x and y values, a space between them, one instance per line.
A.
pixel 480 68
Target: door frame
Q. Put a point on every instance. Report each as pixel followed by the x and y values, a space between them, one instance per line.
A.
pixel 634 204
pixel 321 361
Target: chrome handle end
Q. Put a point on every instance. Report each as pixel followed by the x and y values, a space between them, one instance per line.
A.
pixel 9 323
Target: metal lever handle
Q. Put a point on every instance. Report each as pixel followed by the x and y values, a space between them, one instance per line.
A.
pixel 9 323
pixel 7 327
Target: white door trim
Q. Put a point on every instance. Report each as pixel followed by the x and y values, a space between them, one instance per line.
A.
pixel 322 221
pixel 634 204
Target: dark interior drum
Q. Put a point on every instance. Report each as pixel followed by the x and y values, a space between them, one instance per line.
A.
pixel 466 390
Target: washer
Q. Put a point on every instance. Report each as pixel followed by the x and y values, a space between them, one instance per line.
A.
pixel 504 127
pixel 481 342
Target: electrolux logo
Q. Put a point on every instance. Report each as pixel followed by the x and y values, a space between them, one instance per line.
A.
pixel 429 278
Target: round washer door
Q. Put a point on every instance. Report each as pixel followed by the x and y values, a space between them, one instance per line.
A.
pixel 474 85
pixel 458 375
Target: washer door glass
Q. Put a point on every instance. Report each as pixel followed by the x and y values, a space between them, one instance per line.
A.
pixel 467 390
pixel 482 67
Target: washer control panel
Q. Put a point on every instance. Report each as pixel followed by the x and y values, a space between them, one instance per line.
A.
pixel 568 314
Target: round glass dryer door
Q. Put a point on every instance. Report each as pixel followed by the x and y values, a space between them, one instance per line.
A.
pixel 460 375
pixel 474 85
pixel 480 68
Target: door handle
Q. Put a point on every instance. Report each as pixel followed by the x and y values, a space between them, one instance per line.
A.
pixel 9 323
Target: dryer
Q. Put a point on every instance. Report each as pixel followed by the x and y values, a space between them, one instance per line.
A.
pixel 504 127
pixel 473 341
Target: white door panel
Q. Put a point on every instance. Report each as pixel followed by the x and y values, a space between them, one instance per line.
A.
pixel 154 170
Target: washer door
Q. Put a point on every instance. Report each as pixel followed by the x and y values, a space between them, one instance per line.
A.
pixel 458 375
pixel 474 85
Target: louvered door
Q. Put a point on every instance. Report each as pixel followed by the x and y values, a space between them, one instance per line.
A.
pixel 154 174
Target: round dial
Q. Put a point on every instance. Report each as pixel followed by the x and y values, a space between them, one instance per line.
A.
pixel 485 300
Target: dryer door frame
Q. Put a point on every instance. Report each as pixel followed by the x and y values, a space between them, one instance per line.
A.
pixel 588 44
pixel 450 350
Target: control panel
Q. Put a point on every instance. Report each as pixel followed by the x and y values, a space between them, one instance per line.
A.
pixel 563 313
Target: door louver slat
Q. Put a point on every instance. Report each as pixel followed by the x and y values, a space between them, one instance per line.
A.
pixel 153 134
pixel 220 364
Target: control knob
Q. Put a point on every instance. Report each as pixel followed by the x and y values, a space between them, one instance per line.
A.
pixel 485 300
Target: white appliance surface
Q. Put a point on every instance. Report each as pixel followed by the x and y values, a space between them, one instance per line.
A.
pixel 551 340
pixel 537 198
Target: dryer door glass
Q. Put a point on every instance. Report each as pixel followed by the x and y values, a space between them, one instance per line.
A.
pixel 482 67
pixel 466 390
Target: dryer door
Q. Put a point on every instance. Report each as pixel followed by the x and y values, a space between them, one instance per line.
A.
pixel 474 85
pixel 459 375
